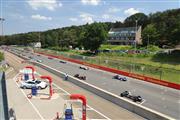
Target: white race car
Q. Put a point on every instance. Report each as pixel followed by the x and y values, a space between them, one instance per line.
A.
pixel 84 67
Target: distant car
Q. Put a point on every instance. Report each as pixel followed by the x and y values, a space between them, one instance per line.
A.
pixel 30 83
pixel 132 97
pixel 62 61
pixel 30 57
pixel 39 61
pixel 119 77
pixel 50 58
pixel 84 67
pixel 80 77
pixel 38 55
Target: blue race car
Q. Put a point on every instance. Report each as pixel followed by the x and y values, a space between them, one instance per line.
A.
pixel 118 77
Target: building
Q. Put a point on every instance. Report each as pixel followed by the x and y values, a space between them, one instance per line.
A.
pixel 36 44
pixel 125 36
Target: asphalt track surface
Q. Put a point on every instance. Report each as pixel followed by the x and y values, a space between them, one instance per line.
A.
pixel 162 99
pixel 98 104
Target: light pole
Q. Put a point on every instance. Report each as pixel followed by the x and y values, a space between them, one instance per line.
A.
pixel 2 19
pixel 148 39
pixel 136 35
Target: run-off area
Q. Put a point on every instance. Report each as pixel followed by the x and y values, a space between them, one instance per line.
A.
pixel 40 106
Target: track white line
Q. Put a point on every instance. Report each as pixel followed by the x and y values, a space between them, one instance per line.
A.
pixel 37 111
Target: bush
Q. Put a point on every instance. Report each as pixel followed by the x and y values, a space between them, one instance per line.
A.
pixel 59 48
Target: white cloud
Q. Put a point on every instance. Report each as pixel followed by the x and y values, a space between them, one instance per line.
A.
pixel 113 10
pixel 90 2
pixel 86 17
pixel 48 4
pixel 40 17
pixel 60 4
pixel 131 11
pixel 73 19
pixel 112 18
pixel 105 16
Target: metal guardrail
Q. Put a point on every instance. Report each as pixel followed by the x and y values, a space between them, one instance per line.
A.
pixel 3 98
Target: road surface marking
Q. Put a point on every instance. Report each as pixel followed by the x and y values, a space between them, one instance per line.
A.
pixel 37 111
pixel 10 70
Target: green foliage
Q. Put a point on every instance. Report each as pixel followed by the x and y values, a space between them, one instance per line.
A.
pixel 140 17
pixel 59 48
pixel 115 47
pixel 94 36
pixel 150 35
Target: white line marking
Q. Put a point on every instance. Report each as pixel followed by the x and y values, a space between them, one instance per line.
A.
pixel 143 101
pixel 29 100
pixel 11 69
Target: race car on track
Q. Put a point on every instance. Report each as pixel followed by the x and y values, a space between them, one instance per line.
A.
pixel 39 61
pixel 118 77
pixel 80 77
pixel 50 58
pixel 62 61
pixel 84 67
pixel 132 97
pixel 30 83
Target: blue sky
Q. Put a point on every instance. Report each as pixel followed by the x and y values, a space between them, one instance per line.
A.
pixel 39 15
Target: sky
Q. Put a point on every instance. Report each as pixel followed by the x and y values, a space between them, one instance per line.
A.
pixel 23 16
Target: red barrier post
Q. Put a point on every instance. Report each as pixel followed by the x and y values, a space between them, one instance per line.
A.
pixel 83 99
pixel 50 84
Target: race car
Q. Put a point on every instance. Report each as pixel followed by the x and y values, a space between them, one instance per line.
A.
pixel 132 97
pixel 39 61
pixel 80 77
pixel 50 58
pixel 62 61
pixel 84 67
pixel 119 77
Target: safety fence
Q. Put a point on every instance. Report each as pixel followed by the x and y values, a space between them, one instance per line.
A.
pixel 122 72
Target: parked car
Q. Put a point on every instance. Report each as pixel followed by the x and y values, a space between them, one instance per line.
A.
pixel 84 67
pixel 119 77
pixel 132 97
pixel 80 77
pixel 30 83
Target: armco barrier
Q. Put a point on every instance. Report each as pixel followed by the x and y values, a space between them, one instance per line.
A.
pixel 122 102
pixel 132 75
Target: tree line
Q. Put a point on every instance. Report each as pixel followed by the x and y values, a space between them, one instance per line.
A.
pixel 160 28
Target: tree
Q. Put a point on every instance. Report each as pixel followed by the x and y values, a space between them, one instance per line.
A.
pixel 150 33
pixel 94 36
pixel 131 20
